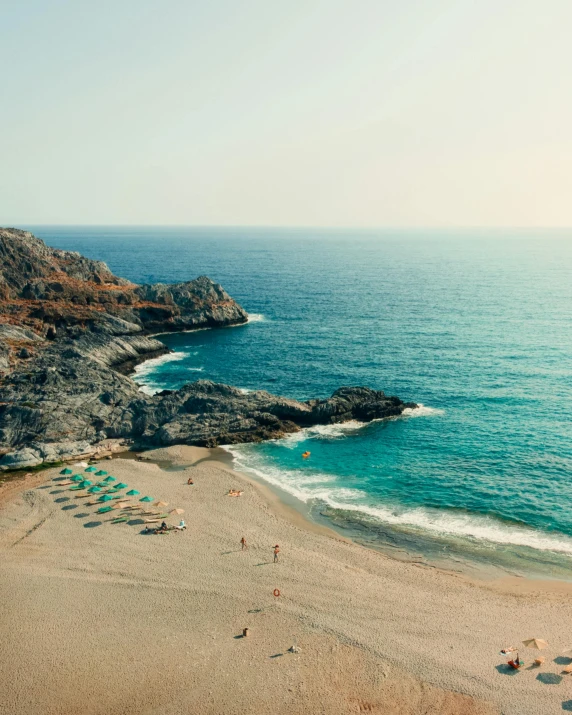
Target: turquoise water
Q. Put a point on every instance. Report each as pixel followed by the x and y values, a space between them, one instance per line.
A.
pixel 475 326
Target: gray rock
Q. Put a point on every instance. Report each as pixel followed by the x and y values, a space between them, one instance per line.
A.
pixel 16 332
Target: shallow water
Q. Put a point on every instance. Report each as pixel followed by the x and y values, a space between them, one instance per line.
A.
pixel 473 325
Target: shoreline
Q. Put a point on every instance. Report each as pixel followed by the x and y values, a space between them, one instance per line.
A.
pixel 483 572
pixel 300 513
pixel 296 512
pixel 457 553
pixel 369 628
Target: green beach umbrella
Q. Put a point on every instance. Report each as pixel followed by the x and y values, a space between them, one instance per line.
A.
pixel 86 483
pixel 121 485
pixel 91 469
pixel 101 473
pixel 109 479
pixel 104 509
pixel 105 497
pixel 133 493
pixel 66 471
pixel 76 478
pixel 94 490
pixel 146 499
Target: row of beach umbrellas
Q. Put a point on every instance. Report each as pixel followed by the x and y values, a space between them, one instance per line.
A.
pixel 82 483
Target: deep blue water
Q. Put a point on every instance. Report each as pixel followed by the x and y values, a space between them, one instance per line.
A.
pixel 476 326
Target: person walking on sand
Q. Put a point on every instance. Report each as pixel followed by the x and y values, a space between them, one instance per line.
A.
pixel 243 543
pixel 276 552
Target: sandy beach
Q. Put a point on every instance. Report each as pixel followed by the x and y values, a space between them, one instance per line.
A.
pixel 101 618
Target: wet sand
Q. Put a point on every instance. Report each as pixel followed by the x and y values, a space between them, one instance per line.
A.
pixel 100 618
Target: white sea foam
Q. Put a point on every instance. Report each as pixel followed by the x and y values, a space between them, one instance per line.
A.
pixel 486 530
pixel 342 429
pixel 146 369
pixel 150 365
pixel 256 318
pixel 421 411
pixel 324 431
pixel 338 430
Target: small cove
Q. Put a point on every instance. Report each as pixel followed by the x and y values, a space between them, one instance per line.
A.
pixel 474 325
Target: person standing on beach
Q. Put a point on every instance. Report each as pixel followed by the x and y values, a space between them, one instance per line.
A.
pixel 243 543
pixel 276 552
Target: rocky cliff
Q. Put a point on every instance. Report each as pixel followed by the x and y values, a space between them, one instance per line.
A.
pixel 68 328
pixel 56 293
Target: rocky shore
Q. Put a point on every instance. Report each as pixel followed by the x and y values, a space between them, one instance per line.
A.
pixel 70 330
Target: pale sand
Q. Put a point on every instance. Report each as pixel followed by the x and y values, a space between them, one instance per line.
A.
pixel 98 618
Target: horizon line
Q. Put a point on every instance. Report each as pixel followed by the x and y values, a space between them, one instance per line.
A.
pixel 402 227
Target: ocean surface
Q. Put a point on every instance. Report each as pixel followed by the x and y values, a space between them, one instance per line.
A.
pixel 473 325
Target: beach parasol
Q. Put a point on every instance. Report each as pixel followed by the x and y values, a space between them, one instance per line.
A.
pixel 101 473
pixel 94 490
pixel 109 479
pixel 91 469
pixel 76 478
pixel 119 486
pixel 85 483
pixel 133 493
pixel 162 503
pixel 536 643
pixel 177 511
pixel 146 499
pixel 104 510
pixel 105 497
pixel 66 471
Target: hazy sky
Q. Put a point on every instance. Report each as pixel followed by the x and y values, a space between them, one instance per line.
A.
pixel 310 112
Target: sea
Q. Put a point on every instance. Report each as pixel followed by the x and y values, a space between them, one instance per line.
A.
pixel 473 325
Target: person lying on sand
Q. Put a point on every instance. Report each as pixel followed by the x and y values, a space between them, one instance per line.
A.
pixel 190 481
pixel 234 493
pixel 506 651
pixel 158 530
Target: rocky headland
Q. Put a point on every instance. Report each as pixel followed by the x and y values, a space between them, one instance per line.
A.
pixel 70 330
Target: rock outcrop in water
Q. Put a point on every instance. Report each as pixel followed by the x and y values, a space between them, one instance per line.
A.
pixel 69 329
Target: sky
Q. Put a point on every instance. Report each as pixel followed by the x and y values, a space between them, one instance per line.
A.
pixel 300 113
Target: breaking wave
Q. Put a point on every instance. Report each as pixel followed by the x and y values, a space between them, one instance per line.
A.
pixel 422 411
pixel 150 381
pixel 256 318
pixel 324 488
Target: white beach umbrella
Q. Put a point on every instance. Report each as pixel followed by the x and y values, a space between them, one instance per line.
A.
pixel 536 643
